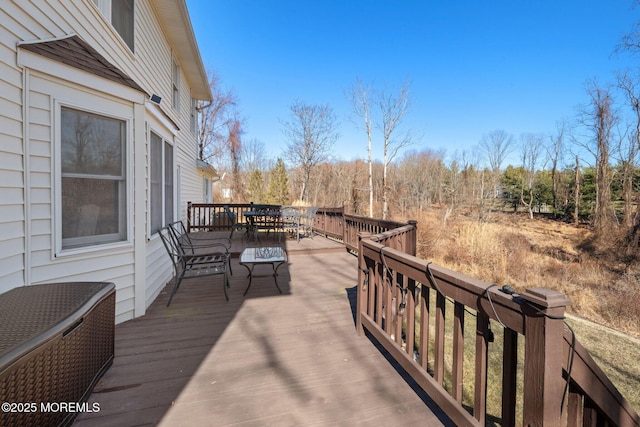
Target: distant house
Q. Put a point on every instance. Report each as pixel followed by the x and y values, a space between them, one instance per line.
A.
pixel 97 142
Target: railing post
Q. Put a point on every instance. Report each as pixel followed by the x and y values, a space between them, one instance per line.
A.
pixel 188 217
pixel 411 238
pixel 543 358
pixel 364 284
pixel 344 226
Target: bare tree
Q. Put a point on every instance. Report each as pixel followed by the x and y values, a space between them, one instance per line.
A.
pixel 393 108
pixel 452 186
pixel 630 42
pixel 233 144
pixel 531 146
pixel 253 156
pixel 213 120
pixel 576 193
pixel 422 176
pixel 495 146
pixel 312 131
pixel 555 151
pixel 599 119
pixel 630 146
pixel 360 97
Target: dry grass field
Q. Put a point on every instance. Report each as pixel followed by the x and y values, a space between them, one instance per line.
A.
pixel 510 249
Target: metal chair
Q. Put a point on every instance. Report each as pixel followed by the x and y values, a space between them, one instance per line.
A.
pixel 290 218
pixel 307 220
pixel 233 219
pixel 198 242
pixel 193 244
pixel 190 263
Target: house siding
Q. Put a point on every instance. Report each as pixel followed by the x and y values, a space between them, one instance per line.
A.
pixel 12 210
pixel 28 253
pixel 157 273
pixel 111 264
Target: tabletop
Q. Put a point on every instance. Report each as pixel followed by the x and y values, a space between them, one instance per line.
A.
pixel 263 255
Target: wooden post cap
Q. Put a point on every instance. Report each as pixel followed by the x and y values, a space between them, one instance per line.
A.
pixel 546 298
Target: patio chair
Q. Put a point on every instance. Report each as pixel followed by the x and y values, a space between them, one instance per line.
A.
pixel 194 245
pixel 188 263
pixel 290 218
pixel 198 242
pixel 233 219
pixel 307 220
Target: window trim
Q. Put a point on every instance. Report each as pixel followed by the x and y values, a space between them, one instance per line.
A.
pixel 105 6
pixel 193 119
pixel 165 141
pixel 175 83
pixel 56 185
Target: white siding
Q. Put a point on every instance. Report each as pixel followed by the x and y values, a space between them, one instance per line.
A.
pixel 27 196
pixel 113 264
pixel 159 271
pixel 12 210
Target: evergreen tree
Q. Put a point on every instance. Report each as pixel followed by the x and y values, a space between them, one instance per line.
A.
pixel 278 185
pixel 513 186
pixel 256 187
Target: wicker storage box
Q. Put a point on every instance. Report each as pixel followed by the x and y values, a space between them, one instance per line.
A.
pixel 56 341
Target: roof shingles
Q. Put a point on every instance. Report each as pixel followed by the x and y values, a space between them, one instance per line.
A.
pixel 77 53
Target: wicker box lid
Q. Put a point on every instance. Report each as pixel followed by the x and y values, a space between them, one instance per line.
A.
pixel 32 315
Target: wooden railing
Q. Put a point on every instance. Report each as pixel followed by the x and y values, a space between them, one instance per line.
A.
pixel 406 303
pixel 438 325
pixel 330 223
pixel 336 224
pixel 590 390
pixel 213 217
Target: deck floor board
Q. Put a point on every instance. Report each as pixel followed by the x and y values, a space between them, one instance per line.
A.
pixel 291 359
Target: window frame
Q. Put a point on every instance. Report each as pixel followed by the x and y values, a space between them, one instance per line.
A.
pixel 175 84
pixel 105 7
pixel 82 244
pixel 193 119
pixel 166 186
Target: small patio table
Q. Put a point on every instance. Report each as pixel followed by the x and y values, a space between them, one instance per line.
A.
pixel 250 257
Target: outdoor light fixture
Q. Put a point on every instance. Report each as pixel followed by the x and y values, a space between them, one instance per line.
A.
pixel 156 98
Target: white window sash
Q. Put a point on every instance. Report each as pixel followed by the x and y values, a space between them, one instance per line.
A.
pixel 75 243
pixel 161 201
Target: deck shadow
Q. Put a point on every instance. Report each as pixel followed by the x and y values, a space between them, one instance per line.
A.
pixel 352 296
pixel 158 354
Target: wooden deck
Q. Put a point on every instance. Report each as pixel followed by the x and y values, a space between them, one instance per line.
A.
pixel 291 359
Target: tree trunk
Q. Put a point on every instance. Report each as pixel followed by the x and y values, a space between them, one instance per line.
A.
pixel 303 190
pixel 370 180
pixel 576 210
pixel 385 191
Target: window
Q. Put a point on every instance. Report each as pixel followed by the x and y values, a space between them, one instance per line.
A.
pixel 93 179
pixel 175 85
pixel 168 182
pixel 161 179
pixel 120 14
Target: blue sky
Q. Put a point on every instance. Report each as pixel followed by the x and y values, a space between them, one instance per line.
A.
pixel 474 65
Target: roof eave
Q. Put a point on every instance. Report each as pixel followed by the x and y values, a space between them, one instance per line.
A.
pixel 207 168
pixel 175 21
